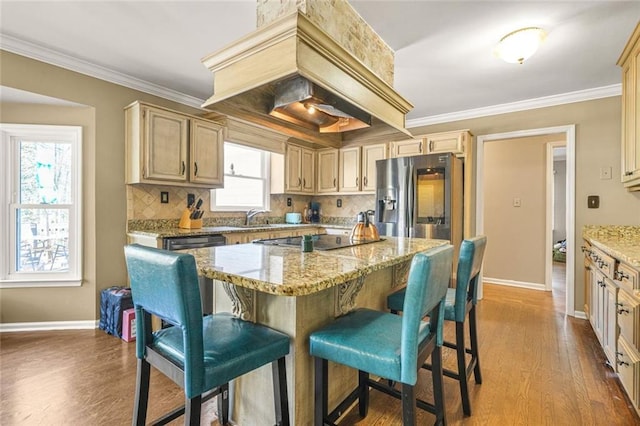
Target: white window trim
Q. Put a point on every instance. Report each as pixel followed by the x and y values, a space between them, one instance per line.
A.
pixel 266 167
pixel 73 277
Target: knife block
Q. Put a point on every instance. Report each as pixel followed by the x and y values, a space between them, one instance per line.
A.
pixel 187 223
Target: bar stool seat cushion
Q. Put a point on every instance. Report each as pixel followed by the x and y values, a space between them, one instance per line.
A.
pixel 238 347
pixel 366 340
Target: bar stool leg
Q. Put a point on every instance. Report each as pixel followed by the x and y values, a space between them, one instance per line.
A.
pixel 363 393
pixel 474 344
pixel 223 405
pixel 142 393
pixel 321 394
pixel 192 409
pixel 281 399
pixel 438 386
pixel 462 368
pixel 408 405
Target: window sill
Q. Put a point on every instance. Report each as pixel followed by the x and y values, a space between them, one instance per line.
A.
pixel 42 283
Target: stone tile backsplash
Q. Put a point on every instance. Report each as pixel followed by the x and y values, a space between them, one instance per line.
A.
pixel 144 205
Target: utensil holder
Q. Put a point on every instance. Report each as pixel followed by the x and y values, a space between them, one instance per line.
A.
pixel 188 223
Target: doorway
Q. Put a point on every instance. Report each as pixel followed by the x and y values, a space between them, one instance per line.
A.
pixel 556 222
pixel 569 138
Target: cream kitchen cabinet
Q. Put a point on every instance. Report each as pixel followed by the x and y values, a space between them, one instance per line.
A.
pixel 371 154
pixel 299 170
pixel 327 179
pixel 630 63
pixel 455 142
pixel 170 148
pixel 350 170
pixel 407 147
pixel 613 306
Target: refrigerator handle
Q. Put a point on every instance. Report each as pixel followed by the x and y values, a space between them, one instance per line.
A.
pixel 411 202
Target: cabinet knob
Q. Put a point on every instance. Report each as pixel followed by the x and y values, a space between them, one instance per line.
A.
pixel 184 168
pixel 195 168
pixel 623 311
pixel 628 173
pixel 430 145
pixel 364 181
pixel 334 181
pixel 299 181
pixel 420 146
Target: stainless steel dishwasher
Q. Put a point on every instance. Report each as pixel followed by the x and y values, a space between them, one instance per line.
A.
pixel 195 242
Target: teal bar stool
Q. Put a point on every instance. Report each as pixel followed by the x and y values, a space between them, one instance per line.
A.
pixel 390 346
pixel 460 303
pixel 200 354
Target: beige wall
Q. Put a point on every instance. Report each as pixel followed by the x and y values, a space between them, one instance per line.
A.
pixel 104 189
pixel 597 145
pixel 515 168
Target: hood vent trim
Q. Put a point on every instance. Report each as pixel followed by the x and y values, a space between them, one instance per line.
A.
pixel 246 74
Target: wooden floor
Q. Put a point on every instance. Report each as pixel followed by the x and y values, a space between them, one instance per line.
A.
pixel 539 368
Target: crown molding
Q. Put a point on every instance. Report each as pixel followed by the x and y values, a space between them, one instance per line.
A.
pixel 33 51
pixel 543 102
pixel 30 50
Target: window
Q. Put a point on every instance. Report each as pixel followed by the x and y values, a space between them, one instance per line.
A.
pixel 41 187
pixel 246 180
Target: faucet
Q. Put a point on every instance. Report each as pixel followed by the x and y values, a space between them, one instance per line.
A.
pixel 251 213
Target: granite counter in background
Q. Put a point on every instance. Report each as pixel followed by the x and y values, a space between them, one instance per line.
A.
pixel 619 241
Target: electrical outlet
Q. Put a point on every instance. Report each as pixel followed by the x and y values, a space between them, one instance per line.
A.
pixel 288 201
pixel 164 197
pixel 593 201
pixel 339 202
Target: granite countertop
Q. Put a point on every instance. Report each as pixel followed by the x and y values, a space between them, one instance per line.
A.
pixel 288 271
pixel 621 242
pixel 174 231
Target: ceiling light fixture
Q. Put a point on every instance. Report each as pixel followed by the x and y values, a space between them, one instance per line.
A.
pixel 518 46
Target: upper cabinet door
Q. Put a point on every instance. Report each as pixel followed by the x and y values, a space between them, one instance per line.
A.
pixel 293 168
pixel 407 148
pixel 350 171
pixel 630 148
pixel 371 154
pixel 207 153
pixel 455 142
pixel 327 180
pixel 165 137
pixel 308 171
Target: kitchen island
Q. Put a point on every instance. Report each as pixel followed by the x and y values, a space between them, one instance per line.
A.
pixel 297 292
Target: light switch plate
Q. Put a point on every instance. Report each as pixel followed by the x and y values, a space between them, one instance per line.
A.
pixel 517 202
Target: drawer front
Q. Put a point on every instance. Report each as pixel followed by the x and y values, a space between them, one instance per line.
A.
pixel 628 363
pixel 629 318
pixel 603 262
pixel 627 278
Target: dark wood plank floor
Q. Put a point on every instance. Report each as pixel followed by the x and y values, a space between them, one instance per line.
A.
pixel 539 368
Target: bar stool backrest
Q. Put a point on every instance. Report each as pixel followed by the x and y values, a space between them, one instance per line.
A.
pixel 469 265
pixel 426 290
pixel 165 284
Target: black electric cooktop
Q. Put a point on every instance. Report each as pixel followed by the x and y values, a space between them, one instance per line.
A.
pixel 320 242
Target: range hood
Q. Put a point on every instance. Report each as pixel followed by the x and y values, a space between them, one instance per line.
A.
pixel 292 77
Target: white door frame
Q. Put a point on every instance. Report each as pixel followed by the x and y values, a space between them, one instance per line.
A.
pixel 570 138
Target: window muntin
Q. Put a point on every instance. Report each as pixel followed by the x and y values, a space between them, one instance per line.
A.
pixel 246 180
pixel 42 190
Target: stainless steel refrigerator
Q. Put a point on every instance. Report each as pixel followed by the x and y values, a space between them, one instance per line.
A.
pixel 420 196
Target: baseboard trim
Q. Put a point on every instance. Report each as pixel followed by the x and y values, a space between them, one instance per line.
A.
pixel 48 326
pixel 580 315
pixel 512 283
